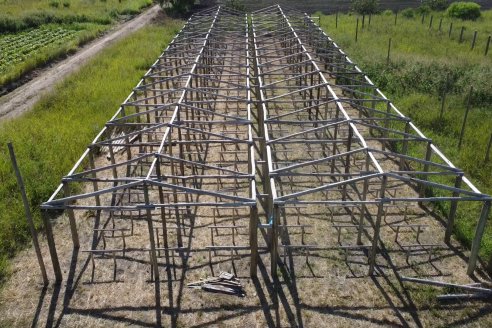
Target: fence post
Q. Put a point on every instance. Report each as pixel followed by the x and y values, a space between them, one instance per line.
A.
pixel 474 40
pixel 440 24
pixel 430 22
pixel 370 16
pixel 389 50
pixel 487 153
pixel 356 29
pixel 396 16
pixel 461 34
pixel 462 133
pixel 27 210
pixel 423 16
pixel 363 21
pixel 487 46
pixel 336 20
pixel 450 29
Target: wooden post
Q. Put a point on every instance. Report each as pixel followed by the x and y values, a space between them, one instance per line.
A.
pixel 71 218
pixel 27 210
pixel 423 16
pixel 452 210
pixel 375 239
pixel 462 133
pixel 396 16
pixel 443 100
pixel 461 34
pixel 363 21
pixel 336 20
pixel 487 45
pixel 52 247
pixel 474 40
pixel 370 16
pixel 356 29
pixel 428 154
pixel 450 29
pixel 440 24
pixel 472 262
pixel 253 240
pixel 430 22
pixel 487 153
pixel 389 50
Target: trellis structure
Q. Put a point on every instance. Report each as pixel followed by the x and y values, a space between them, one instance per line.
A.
pixel 181 147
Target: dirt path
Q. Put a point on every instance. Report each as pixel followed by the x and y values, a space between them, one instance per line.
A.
pixel 23 98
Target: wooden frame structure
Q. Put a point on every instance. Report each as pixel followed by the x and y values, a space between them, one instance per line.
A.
pixel 329 141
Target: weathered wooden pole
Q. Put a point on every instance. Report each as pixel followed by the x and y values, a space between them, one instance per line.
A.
pixel 27 210
pixel 430 22
pixel 452 210
pixel 450 29
pixel 377 228
pixel 487 45
pixel 370 17
pixel 474 40
pixel 462 133
pixel 389 50
pixel 487 152
pixel 396 16
pixel 440 24
pixel 461 34
pixel 363 21
pixel 423 16
pixel 484 214
pixel 356 29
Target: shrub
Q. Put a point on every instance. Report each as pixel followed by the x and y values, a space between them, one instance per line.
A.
pixel 387 12
pixel 437 5
pixel 464 10
pixel 423 9
pixel 66 4
pixel 408 13
pixel 54 4
pixel 365 7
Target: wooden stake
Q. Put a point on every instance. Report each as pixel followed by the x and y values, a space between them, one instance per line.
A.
pixel 363 21
pixel 27 210
pixel 461 34
pixel 356 29
pixel 336 20
pixel 423 16
pixel 452 210
pixel 440 24
pixel 450 29
pixel 396 16
pixel 487 45
pixel 487 153
pixel 462 133
pixel 474 40
pixel 389 50
pixel 472 262
pixel 430 22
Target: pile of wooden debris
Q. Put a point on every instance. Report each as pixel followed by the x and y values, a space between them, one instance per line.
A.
pixel 225 283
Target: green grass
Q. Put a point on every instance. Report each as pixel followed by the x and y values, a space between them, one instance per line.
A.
pixel 423 62
pixel 50 138
pixel 88 17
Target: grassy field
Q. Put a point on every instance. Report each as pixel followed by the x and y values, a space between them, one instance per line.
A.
pixel 64 123
pixel 26 27
pixel 423 62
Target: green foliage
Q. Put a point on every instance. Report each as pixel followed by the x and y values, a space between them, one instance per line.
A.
pixel 235 4
pixel 387 12
pixel 436 5
pixel 408 13
pixel 54 4
pixel 464 10
pixel 62 124
pixel 365 7
pixel 177 8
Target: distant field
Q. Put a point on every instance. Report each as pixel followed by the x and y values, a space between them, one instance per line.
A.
pixel 34 32
pixel 423 63
pixel 51 137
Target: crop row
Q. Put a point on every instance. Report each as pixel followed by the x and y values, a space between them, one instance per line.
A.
pixel 16 47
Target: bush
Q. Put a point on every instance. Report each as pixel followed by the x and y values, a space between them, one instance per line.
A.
pixel 437 5
pixel 66 4
pixel 408 13
pixel 365 7
pixel 424 9
pixel 387 12
pixel 54 4
pixel 464 10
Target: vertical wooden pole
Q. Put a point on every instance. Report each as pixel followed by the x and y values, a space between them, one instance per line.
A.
pixel 487 152
pixel 377 227
pixel 440 24
pixel 71 218
pixel 153 254
pixel 450 29
pixel 389 50
pixel 253 240
pixel 428 154
pixel 363 21
pixel 487 45
pixel 336 20
pixel 443 102
pixel 430 22
pixel 356 29
pixel 462 133
pixel 423 16
pixel 474 40
pixel 52 247
pixel 370 17
pixel 396 16
pixel 27 210
pixel 472 262
pixel 461 34
pixel 452 210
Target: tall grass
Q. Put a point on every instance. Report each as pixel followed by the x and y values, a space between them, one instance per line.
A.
pixel 50 138
pixel 423 62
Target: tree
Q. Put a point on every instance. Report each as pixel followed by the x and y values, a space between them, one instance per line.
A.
pixel 365 7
